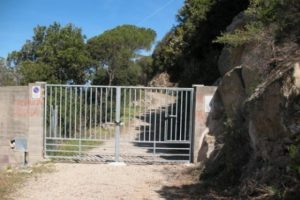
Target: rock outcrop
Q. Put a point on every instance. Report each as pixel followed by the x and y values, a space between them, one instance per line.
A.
pixel 162 80
pixel 255 120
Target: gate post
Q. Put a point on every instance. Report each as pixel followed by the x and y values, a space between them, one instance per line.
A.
pixel 202 97
pixel 36 106
pixel 118 123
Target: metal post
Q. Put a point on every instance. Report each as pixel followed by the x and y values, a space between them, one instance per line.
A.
pixel 191 127
pixel 117 129
pixel 45 120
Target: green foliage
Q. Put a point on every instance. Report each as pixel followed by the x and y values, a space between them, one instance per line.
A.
pixel 55 54
pixel 282 15
pixel 146 69
pixel 252 32
pixel 74 147
pixel 7 75
pixel 59 54
pixel 33 71
pixel 188 52
pixel 226 169
pixel 11 178
pixel 293 151
pixel 294 165
pixel 114 50
pixel 193 12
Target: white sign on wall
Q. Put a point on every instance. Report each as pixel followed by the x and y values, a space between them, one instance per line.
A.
pixel 207 100
pixel 36 92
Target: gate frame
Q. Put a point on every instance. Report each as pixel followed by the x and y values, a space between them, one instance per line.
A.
pixel 191 123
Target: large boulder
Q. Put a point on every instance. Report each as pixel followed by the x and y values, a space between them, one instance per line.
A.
pixel 271 111
pixel 231 57
pixel 232 93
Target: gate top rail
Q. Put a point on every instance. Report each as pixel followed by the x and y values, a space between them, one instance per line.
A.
pixel 127 87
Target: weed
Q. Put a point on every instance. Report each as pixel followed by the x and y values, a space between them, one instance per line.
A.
pixel 10 178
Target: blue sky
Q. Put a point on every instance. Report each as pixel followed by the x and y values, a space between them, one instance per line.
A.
pixel 19 17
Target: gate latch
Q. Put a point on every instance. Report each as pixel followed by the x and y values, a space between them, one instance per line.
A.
pixel 119 123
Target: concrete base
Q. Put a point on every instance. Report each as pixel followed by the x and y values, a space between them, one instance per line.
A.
pixel 118 164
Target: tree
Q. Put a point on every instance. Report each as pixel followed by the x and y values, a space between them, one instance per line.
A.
pixel 7 75
pixel 279 18
pixel 115 50
pixel 188 52
pixel 56 54
pixel 145 64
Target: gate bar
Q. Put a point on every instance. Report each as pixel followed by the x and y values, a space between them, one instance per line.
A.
pixel 117 129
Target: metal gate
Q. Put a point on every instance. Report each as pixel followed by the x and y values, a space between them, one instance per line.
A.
pixel 117 123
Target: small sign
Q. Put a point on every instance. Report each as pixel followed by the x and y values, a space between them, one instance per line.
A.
pixel 36 92
pixel 207 100
pixel 20 144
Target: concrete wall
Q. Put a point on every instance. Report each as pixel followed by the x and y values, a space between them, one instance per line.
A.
pixel 21 116
pixel 203 95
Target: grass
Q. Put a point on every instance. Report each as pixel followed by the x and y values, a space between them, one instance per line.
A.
pixel 93 136
pixel 131 112
pixel 11 178
pixel 72 147
pixel 76 146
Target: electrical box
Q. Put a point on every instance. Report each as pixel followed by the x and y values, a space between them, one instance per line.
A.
pixel 21 144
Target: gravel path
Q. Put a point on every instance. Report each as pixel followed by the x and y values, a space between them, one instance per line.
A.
pixel 107 181
pixel 100 181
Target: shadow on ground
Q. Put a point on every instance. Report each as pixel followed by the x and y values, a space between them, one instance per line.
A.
pixel 192 191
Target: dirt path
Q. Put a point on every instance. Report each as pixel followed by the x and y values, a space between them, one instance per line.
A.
pixel 132 129
pixel 105 181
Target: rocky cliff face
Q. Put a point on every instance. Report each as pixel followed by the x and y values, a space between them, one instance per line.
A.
pixel 255 120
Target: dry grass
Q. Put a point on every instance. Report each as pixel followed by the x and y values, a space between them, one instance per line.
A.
pixel 11 178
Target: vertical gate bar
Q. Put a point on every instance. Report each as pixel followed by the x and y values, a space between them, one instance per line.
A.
pixel 111 105
pixel 50 114
pixel 70 120
pixel 166 115
pixel 129 111
pixel 150 114
pixel 55 106
pixel 124 108
pixel 134 110
pixel 105 110
pixel 85 110
pixel 91 95
pixel 65 112
pixel 160 114
pixel 140 113
pixel 45 120
pixel 145 114
pixel 124 98
pixel 176 114
pixel 185 117
pixel 155 113
pixel 172 114
pixel 80 121
pixel 117 128
pixel 154 132
pixel 191 123
pixel 75 113
pixel 100 120
pixel 96 97
pixel 105 107
pixel 60 110
pixel 181 99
